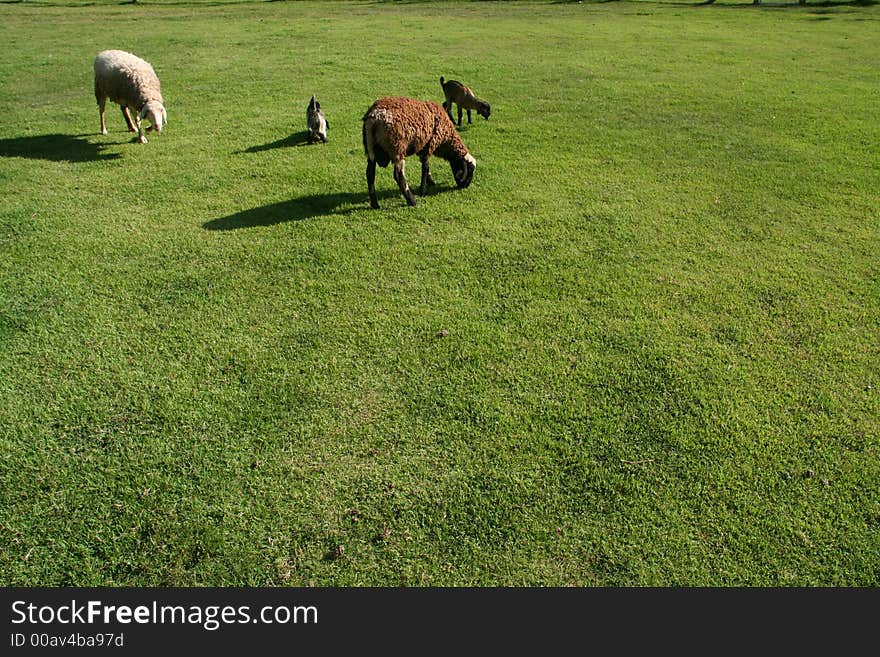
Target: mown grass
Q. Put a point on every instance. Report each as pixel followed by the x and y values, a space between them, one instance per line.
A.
pixel 641 349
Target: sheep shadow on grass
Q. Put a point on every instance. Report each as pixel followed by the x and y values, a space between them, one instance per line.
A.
pixel 300 138
pixel 295 209
pixel 307 207
pixel 55 148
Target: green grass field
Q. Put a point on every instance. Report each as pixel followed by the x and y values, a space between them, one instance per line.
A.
pixel 640 349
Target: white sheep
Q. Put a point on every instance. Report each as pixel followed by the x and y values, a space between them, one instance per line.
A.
pixel 132 83
pixel 397 127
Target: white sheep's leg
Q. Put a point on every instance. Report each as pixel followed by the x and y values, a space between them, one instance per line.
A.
pixel 371 183
pixel 102 103
pixel 426 178
pixel 128 120
pixel 400 177
pixel 142 138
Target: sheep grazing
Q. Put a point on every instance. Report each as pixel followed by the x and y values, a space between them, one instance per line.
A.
pixel 316 122
pixel 132 83
pixel 396 127
pixel 455 92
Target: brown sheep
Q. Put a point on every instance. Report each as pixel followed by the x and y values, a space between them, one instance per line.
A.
pixel 455 92
pixel 396 127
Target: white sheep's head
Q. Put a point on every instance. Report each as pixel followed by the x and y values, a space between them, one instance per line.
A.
pixel 463 170
pixel 154 112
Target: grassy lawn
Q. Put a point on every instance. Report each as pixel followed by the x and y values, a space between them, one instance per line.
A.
pixel 642 348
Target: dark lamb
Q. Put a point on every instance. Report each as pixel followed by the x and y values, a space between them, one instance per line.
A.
pixel 462 95
pixel 316 122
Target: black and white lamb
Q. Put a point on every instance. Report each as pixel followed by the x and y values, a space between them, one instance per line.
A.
pixel 316 122
pixel 132 83
pixel 396 127
pixel 463 96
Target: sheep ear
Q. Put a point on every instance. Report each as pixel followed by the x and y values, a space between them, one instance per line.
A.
pixel 164 116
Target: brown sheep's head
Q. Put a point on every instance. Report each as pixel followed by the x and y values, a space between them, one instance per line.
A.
pixel 484 110
pixel 463 170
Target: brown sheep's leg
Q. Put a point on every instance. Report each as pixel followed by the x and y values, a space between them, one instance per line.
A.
pixel 102 103
pixel 128 120
pixel 459 116
pixel 469 117
pixel 426 178
pixel 371 183
pixel 400 177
